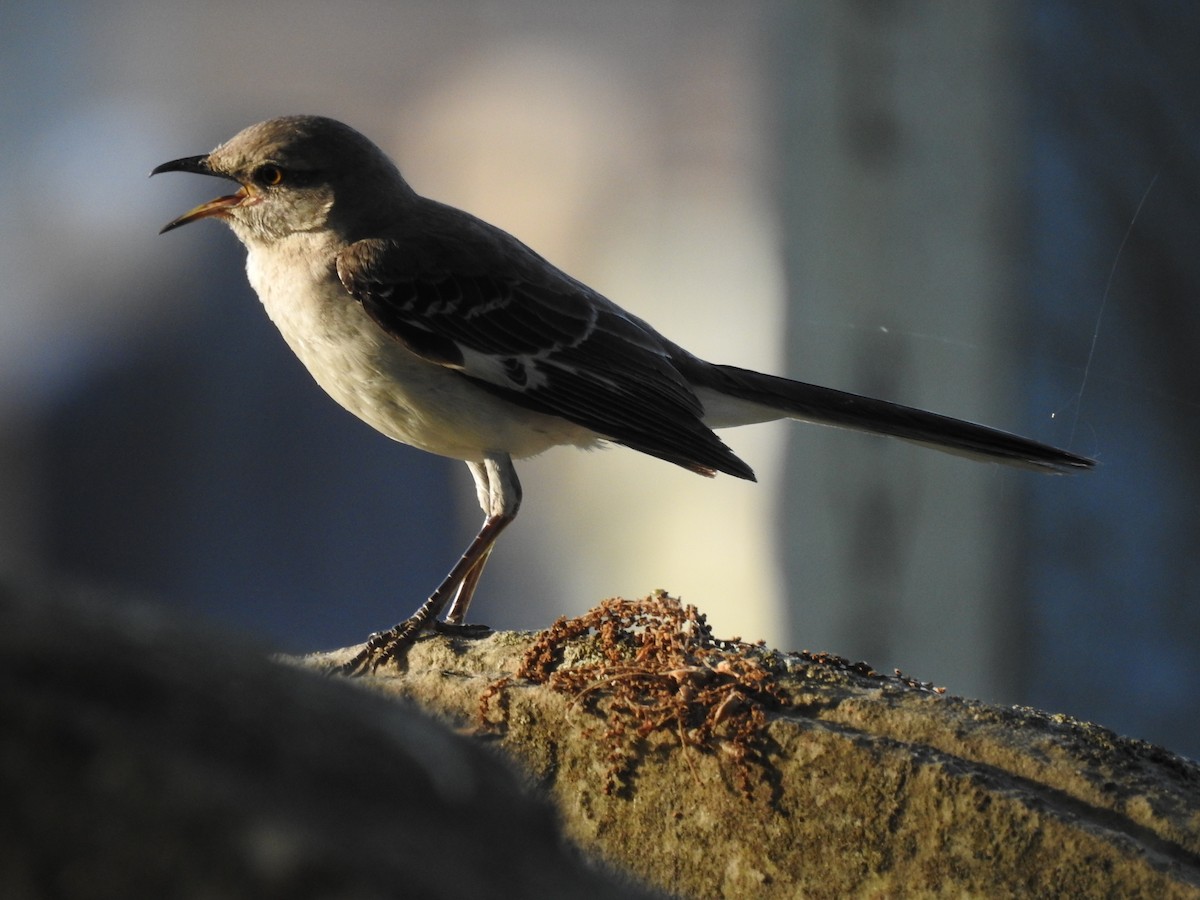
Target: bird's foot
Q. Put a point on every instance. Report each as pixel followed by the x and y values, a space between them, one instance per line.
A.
pixel 461 629
pixel 384 647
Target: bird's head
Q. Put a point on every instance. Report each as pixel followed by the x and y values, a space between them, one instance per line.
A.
pixel 296 174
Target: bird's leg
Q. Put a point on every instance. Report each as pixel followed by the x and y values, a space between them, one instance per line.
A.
pixel 490 490
pixel 453 623
pixel 394 643
pixel 500 496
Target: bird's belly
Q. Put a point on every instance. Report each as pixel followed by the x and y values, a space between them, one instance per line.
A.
pixel 401 395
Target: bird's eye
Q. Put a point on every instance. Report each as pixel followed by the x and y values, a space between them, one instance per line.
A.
pixel 269 175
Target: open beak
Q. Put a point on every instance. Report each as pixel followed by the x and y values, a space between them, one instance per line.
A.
pixel 218 208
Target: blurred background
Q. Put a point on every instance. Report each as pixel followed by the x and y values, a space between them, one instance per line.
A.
pixel 984 208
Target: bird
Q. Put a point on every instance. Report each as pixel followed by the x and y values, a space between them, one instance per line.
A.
pixel 447 333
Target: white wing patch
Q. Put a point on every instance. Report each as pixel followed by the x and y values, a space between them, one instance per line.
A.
pixel 514 373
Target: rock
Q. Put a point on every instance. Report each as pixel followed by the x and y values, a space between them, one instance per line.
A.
pixel 145 757
pixel 873 786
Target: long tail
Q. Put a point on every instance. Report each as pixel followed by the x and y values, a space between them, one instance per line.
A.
pixel 769 396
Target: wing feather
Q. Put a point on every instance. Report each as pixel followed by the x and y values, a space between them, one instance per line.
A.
pixel 475 300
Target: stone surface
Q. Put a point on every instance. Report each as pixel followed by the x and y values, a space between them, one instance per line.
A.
pixel 878 786
pixel 145 757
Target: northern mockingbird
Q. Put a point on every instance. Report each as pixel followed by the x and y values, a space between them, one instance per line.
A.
pixel 449 334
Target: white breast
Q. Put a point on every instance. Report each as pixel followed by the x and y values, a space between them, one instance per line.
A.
pixel 378 379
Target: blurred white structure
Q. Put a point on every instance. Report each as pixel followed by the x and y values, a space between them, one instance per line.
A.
pixel 672 222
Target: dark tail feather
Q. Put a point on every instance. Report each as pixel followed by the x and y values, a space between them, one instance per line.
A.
pixel 827 406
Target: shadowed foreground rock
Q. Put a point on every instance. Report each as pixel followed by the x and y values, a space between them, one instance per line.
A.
pixel 876 786
pixel 141 758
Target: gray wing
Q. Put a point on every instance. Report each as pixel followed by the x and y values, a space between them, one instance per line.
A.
pixel 467 296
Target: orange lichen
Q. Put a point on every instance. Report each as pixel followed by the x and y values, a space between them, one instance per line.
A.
pixel 653 665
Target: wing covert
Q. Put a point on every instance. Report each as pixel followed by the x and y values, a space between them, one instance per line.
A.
pixel 540 339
